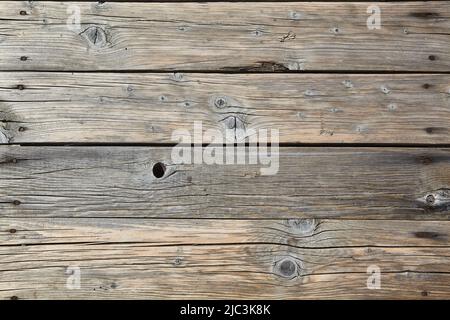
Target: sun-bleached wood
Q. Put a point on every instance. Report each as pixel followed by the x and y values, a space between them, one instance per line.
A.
pixel 224 36
pixel 164 258
pixel 148 108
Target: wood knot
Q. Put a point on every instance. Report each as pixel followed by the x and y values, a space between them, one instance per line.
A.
pixel 436 130
pixel 294 15
pixel 235 128
pixel 100 3
pixel 9 124
pixel 96 36
pixel 221 102
pixel 158 170
pixel 430 235
pixel 348 84
pixel 302 226
pixel 392 107
pixel 288 268
pixel 225 102
pixel 335 30
pixel 178 261
pixel 438 200
pixel 424 15
pixel 4 138
pixel 177 76
pixel 385 89
pixel 288 36
pixel 232 116
pixel 426 160
pixel 296 65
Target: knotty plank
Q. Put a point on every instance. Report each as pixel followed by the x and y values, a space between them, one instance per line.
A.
pixel 137 108
pixel 259 259
pixel 375 183
pixel 225 36
pixel 305 233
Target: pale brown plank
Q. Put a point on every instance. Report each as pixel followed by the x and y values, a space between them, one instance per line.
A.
pixel 129 259
pixel 137 108
pixel 225 36
pixel 305 233
pixel 376 183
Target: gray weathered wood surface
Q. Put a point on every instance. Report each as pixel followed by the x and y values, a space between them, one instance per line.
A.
pixel 129 258
pixel 147 108
pixel 380 183
pixel 225 36
pixel 132 73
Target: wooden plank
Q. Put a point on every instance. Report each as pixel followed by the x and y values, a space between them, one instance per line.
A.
pixel 305 233
pixel 375 183
pixel 309 108
pixel 259 259
pixel 225 36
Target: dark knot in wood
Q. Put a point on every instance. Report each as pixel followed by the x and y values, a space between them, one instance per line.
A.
pixel 288 268
pixel 220 102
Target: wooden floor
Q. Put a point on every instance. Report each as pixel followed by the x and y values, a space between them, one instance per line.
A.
pixel 92 205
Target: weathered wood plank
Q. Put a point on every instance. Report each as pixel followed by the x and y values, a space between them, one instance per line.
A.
pixel 305 233
pixel 225 36
pixel 378 183
pixel 313 108
pixel 258 259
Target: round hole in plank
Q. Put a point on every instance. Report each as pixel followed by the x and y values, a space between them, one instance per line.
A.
pixel 159 169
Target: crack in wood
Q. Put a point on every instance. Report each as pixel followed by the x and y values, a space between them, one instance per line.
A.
pixel 260 66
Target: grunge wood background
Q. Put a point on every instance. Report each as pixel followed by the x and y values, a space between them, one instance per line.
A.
pixel 91 93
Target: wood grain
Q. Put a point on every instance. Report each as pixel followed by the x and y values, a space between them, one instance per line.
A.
pixel 374 183
pixel 133 73
pixel 305 233
pixel 225 36
pixel 148 108
pixel 164 258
